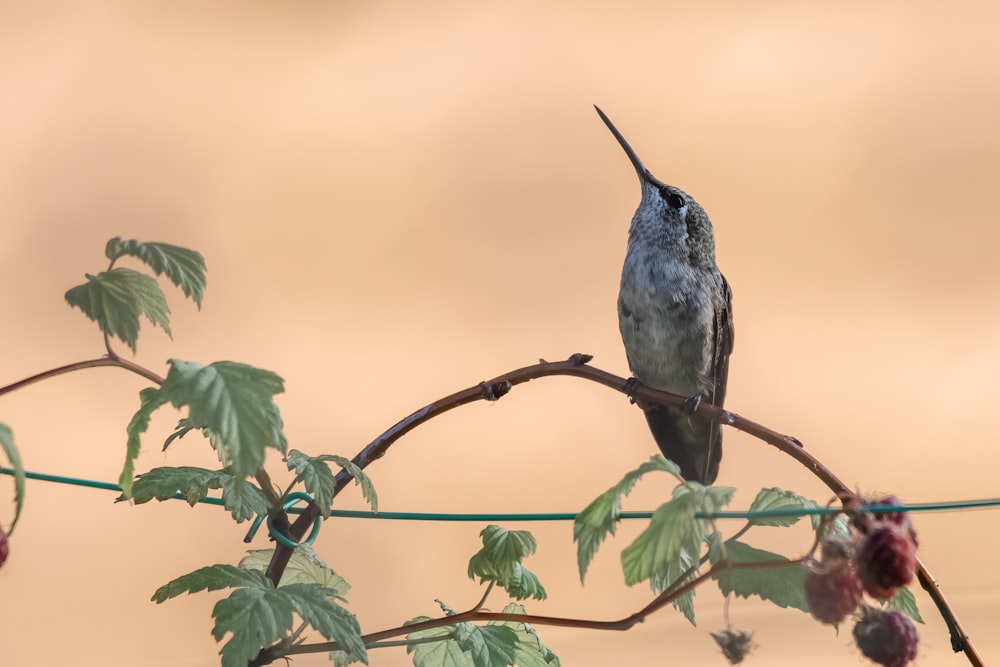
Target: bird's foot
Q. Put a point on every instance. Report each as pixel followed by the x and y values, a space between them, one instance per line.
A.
pixel 629 388
pixel 691 404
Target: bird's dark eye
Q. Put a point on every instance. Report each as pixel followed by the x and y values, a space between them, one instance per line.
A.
pixel 674 200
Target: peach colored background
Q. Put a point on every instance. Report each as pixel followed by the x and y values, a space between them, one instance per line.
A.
pixel 397 200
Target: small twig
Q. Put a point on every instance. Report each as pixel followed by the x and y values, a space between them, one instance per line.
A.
pixel 486 594
pixel 264 480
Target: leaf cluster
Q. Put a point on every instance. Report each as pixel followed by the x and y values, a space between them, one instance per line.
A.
pixel 464 644
pixel 499 562
pixel 115 299
pixel 257 615
pixel 232 403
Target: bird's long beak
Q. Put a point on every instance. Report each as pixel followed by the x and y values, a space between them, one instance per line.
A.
pixel 640 169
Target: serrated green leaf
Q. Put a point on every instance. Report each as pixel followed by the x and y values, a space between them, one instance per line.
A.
pixel 523 584
pixel 678 573
pixel 10 451
pixel 211 578
pixel 256 618
pixel 778 500
pixel 304 567
pixel 243 498
pixel 360 478
pixel 257 614
pixel 784 586
pixel 115 299
pixel 839 527
pixel 184 268
pixel 149 400
pixel 315 605
pixel 673 533
pixel 667 552
pixel 317 477
pixel 165 482
pixel 500 561
pixel 601 516
pixel 529 651
pixel 904 601
pixel 341 658
pixel 713 498
pixel 487 645
pixel 444 651
pixel 231 401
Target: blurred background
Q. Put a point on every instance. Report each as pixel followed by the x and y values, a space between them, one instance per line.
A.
pixel 399 200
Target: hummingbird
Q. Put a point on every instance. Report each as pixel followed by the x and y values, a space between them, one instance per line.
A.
pixel 675 315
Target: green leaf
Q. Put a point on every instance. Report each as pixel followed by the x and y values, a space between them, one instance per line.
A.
pixel 784 586
pixel 184 268
pixel 445 652
pixel 839 527
pixel 529 650
pixel 10 451
pixel 673 533
pixel 256 617
pixel 462 645
pixel 678 573
pixel 317 477
pixel 304 567
pixel 315 605
pixel 257 614
pixel 523 584
pixel 242 498
pixel 778 500
pixel 487 645
pixel 211 578
pixel 233 402
pixel 164 483
pixel 149 400
pixel 500 561
pixel 904 601
pixel 667 552
pixel 115 299
pixel 360 478
pixel 601 517
pixel 341 658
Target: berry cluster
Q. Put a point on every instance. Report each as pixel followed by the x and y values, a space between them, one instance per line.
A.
pixel 877 558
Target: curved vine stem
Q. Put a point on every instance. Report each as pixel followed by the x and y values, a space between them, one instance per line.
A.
pixel 112 360
pixel 577 366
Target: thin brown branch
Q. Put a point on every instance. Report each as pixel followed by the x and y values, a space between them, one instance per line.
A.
pixel 476 615
pixel 577 366
pixel 115 361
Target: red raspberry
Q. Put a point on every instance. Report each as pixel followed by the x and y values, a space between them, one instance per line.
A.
pixel 866 522
pixel 887 638
pixel 834 592
pixel 4 549
pixel 898 518
pixel 886 560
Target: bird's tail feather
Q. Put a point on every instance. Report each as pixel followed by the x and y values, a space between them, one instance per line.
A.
pixel 693 443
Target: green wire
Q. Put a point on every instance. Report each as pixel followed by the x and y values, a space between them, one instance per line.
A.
pixel 550 516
